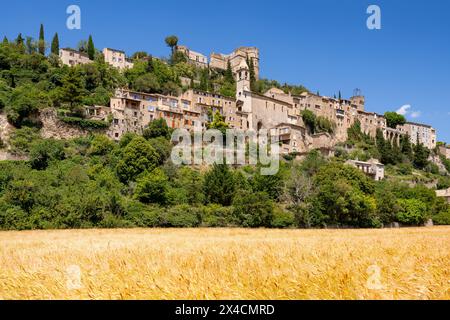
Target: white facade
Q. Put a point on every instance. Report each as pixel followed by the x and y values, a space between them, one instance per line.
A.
pixel 117 59
pixel 72 57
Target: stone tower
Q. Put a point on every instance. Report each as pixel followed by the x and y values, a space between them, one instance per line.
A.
pixel 242 78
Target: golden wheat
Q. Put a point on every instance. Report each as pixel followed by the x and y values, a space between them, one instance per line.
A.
pixel 226 264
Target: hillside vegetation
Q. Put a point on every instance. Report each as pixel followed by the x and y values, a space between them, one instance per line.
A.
pixel 95 182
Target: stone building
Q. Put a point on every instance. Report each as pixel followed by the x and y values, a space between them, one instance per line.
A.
pixel 445 151
pixel 132 111
pixel 371 168
pixel 422 133
pixel 194 57
pixel 72 57
pixel 208 104
pixel 117 59
pixel 220 61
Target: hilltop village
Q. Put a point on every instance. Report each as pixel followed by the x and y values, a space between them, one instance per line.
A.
pixel 275 110
pixel 85 141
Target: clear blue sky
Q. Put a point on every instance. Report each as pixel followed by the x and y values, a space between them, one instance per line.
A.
pixel 324 45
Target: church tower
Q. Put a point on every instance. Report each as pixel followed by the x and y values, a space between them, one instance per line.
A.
pixel 242 78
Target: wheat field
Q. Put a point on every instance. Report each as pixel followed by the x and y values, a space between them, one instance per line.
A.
pixel 226 264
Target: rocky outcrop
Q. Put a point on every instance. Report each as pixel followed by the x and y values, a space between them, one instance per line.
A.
pixel 5 128
pixel 54 128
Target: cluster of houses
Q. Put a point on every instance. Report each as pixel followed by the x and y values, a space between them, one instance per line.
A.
pixel 275 110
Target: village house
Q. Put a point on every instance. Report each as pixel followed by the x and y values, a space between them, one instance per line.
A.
pixel 72 57
pixel 194 57
pixel 117 59
pixel 420 133
pixel 371 168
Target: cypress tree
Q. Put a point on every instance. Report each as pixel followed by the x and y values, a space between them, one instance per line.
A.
pixel 251 68
pixel 91 48
pixel 229 73
pixel 20 43
pixel 5 40
pixel 55 44
pixel 41 40
pixel 405 146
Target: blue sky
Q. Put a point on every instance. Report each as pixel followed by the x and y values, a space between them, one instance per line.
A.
pixel 322 44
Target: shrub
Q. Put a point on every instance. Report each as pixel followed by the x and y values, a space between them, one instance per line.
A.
pixel 152 187
pixel 157 128
pixel 215 215
pixel 443 218
pixel 21 139
pixel 44 151
pixel 101 145
pixel 13 218
pixel 181 216
pixel 253 209
pixel 405 169
pixel 282 218
pixel 137 157
pixel 143 216
pixel 412 212
pixel 85 123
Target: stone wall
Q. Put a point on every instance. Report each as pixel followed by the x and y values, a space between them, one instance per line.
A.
pixel 54 128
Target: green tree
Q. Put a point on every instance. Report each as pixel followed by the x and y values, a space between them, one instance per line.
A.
pixel 405 146
pixel 30 45
pixel 345 196
pixel 44 151
pixel 5 40
pixel 20 43
pixel 137 157
pixel 309 119
pixel 251 68
pixel 218 123
pixel 229 73
pixel 152 187
pixel 421 154
pixel 101 145
pixel 41 42
pixel 172 42
pixel 157 128
pixel 219 185
pixel 253 209
pixel 412 212
pixel 393 119
pixel 147 83
pixel 55 44
pixel 91 48
pixel 72 88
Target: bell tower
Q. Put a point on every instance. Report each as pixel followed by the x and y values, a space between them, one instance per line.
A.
pixel 242 77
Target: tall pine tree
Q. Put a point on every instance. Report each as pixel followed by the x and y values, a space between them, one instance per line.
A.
pixel 41 44
pixel 55 44
pixel 91 48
